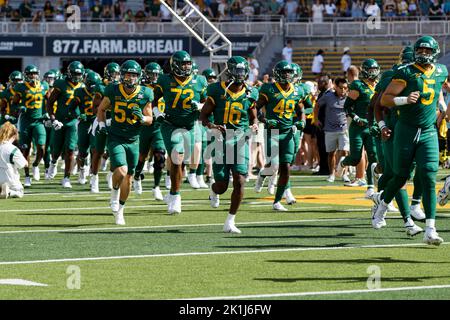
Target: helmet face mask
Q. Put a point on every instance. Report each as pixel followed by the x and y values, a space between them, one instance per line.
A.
pixel 15 77
pixel 130 74
pixel 424 55
pixel 151 73
pixel 32 77
pixel 426 50
pixel 284 72
pixel 50 78
pixel 75 72
pixel 181 64
pixel 370 69
pixel 130 79
pixel 112 72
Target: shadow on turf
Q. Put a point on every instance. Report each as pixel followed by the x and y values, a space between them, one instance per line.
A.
pixel 55 225
pixel 287 246
pixel 363 261
pixel 352 279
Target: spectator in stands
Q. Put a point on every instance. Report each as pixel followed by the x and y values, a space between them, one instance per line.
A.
pixel 222 10
pixel 66 13
pixel 107 4
pixel 357 10
pixel 106 14
pixel 258 7
pixel 155 10
pixel 49 11
pixel 343 8
pixel 402 9
pixel 253 75
pixel 128 16
pixel 287 51
pixel 412 8
pixel 389 8
pixel 424 8
pixel 166 16
pixel 248 10
pixel 117 11
pixel 318 10
pixel 290 10
pixel 446 7
pixel 140 16
pixel 15 16
pixel 252 60
pixel 84 11
pixel 236 10
pixel 6 9
pixel 59 17
pixel 273 7
pixel 96 11
pixel 25 10
pixel 372 9
pixel 317 64
pixel 37 17
pixel 435 11
pixel 330 9
pixel 346 60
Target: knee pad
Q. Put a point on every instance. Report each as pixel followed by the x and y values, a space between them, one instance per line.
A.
pixel 159 159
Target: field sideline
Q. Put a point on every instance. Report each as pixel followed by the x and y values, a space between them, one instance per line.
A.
pixel 64 245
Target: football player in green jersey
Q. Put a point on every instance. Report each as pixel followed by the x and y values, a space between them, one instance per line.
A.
pixel 84 111
pixel 151 138
pixel 232 103
pixel 182 93
pixel 111 75
pixel 356 106
pixel 415 90
pixel 210 75
pixel 64 122
pixel 30 95
pixel 131 107
pixel 385 123
pixel 281 100
pixel 8 110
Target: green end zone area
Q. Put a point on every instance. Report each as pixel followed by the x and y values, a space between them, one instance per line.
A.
pixel 323 248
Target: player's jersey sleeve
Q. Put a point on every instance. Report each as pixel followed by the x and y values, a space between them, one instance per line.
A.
pixel 19 89
pixel 99 90
pixel 211 93
pixel 204 85
pixel 159 86
pixel 254 95
pixel 355 85
pixel 265 91
pixel 60 85
pixel 148 95
pixel 109 92
pixel 401 75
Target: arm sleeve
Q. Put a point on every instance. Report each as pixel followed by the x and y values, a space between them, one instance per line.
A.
pixel 17 159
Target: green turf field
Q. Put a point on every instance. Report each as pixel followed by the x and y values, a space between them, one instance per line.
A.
pixel 323 248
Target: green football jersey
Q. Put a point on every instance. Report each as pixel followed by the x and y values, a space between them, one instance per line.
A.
pixel 85 100
pixel 366 91
pixel 178 97
pixel 281 104
pixel 124 124
pixel 421 114
pixel 161 104
pixel 67 91
pixel 231 109
pixel 7 96
pixel 391 114
pixel 32 98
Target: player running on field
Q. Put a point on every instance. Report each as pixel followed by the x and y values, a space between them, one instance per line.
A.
pixel 64 123
pixel 8 110
pixel 233 105
pixel 131 107
pixel 415 90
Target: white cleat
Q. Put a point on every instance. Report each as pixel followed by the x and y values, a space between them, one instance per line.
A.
pixel 82 176
pixel 357 183
pixel 168 182
pixel 118 215
pixel 175 204
pixel 259 184
pixel 230 228
pixel 109 180
pixel 331 178
pixel 46 175
pixel 378 212
pixel 192 178
pixel 66 183
pixel 201 182
pixel 36 173
pixel 412 229
pixel 346 178
pixel 432 237
pixel 277 206
pixel 52 170
pixel 157 194
pixel 369 193
pixel 339 167
pixel 214 199
pixel 272 184
pixel 114 202
pixel 137 186
pixel 417 212
pixel 290 199
pixel 391 208
pixel 27 182
pixel 94 184
pixel 4 194
pixel 444 193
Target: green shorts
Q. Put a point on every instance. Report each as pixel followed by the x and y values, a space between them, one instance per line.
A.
pixel 85 139
pixel 179 139
pixel 123 152
pixel 31 130
pixel 150 137
pixel 230 156
pixel 280 146
pixel 65 138
pixel 411 143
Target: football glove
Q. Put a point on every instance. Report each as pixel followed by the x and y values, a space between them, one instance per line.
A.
pixel 300 125
pixel 375 131
pixel 271 123
pixel 137 112
pixel 82 117
pixel 108 122
pixel 101 128
pixel 57 125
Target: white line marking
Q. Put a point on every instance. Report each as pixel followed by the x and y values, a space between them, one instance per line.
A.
pixel 318 293
pixel 87 208
pixel 185 254
pixel 22 282
pixel 171 226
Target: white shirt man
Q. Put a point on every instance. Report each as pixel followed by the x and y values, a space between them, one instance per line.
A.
pixel 346 60
pixel 11 160
pixel 287 53
pixel 317 64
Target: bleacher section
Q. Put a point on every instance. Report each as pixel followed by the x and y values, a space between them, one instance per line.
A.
pixel 385 55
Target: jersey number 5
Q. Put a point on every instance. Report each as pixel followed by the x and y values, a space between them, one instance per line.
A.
pixel 427 89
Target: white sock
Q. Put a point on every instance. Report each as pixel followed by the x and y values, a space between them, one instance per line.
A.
pixel 121 206
pixel 115 194
pixel 230 218
pixel 431 223
pixel 409 222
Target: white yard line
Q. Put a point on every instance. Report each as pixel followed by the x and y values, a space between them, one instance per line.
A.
pixel 319 293
pixel 171 226
pixel 185 254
